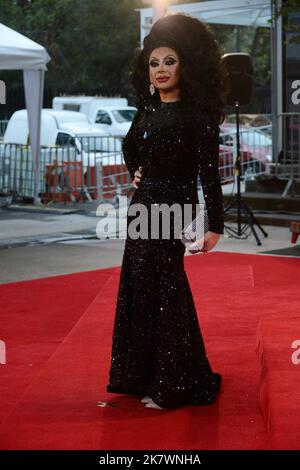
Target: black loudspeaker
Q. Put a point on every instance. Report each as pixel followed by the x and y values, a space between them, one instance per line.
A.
pixel 240 69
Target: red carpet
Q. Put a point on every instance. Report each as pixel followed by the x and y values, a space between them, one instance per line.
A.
pixel 35 317
pixel 280 377
pixel 63 327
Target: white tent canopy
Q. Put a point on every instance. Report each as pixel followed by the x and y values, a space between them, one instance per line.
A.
pixel 17 52
pixel 233 12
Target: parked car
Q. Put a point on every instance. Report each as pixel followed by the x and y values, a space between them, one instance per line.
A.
pixel 69 143
pixel 114 119
pixel 63 129
pixel 110 114
pixel 255 146
pixel 226 161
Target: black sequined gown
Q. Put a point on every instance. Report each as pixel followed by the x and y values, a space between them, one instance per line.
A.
pixel 157 346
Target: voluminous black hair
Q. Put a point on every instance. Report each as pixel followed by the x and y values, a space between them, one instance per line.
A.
pixel 203 77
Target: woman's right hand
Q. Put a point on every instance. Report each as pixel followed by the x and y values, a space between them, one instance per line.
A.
pixel 137 177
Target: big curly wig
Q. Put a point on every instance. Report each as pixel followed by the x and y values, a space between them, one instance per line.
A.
pixel 203 80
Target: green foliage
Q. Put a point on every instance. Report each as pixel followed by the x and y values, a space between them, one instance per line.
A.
pixel 91 43
pixel 287 11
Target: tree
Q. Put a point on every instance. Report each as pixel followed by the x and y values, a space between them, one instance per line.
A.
pixel 90 43
pixel 290 12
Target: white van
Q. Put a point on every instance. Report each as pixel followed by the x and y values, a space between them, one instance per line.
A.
pixel 110 114
pixel 68 140
pixel 82 103
pixel 63 129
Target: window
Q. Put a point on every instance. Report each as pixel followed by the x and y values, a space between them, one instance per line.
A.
pixel 225 139
pixel 71 107
pixel 103 118
pixel 256 138
pixel 64 140
pixel 124 115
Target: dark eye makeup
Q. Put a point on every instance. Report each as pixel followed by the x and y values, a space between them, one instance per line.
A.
pixel 154 63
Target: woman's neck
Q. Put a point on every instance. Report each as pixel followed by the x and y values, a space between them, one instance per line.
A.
pixel 169 97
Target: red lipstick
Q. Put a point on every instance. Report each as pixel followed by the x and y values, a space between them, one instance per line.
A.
pixel 162 79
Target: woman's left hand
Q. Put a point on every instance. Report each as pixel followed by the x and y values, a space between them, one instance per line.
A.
pixel 210 240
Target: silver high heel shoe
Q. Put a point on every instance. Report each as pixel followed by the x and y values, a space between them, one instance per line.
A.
pixel 151 404
pixel 146 399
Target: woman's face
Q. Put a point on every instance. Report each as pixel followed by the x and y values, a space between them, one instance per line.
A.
pixel 164 62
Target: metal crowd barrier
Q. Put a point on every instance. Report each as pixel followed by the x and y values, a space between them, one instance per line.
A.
pixel 287 161
pixel 3 126
pixel 88 168
pixel 255 152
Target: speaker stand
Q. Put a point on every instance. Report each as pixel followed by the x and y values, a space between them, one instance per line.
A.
pixel 238 201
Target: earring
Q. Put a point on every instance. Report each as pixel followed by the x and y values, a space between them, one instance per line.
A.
pixel 152 89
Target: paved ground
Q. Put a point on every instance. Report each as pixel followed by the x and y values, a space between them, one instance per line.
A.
pixel 35 244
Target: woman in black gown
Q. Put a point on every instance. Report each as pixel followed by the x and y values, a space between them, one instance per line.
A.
pixel 157 349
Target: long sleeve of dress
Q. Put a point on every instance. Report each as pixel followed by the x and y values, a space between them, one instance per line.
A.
pixel 207 157
pixel 129 147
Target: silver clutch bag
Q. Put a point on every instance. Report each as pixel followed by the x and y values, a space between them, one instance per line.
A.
pixel 192 235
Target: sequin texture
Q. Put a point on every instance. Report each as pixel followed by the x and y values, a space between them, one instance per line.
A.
pixel 157 345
